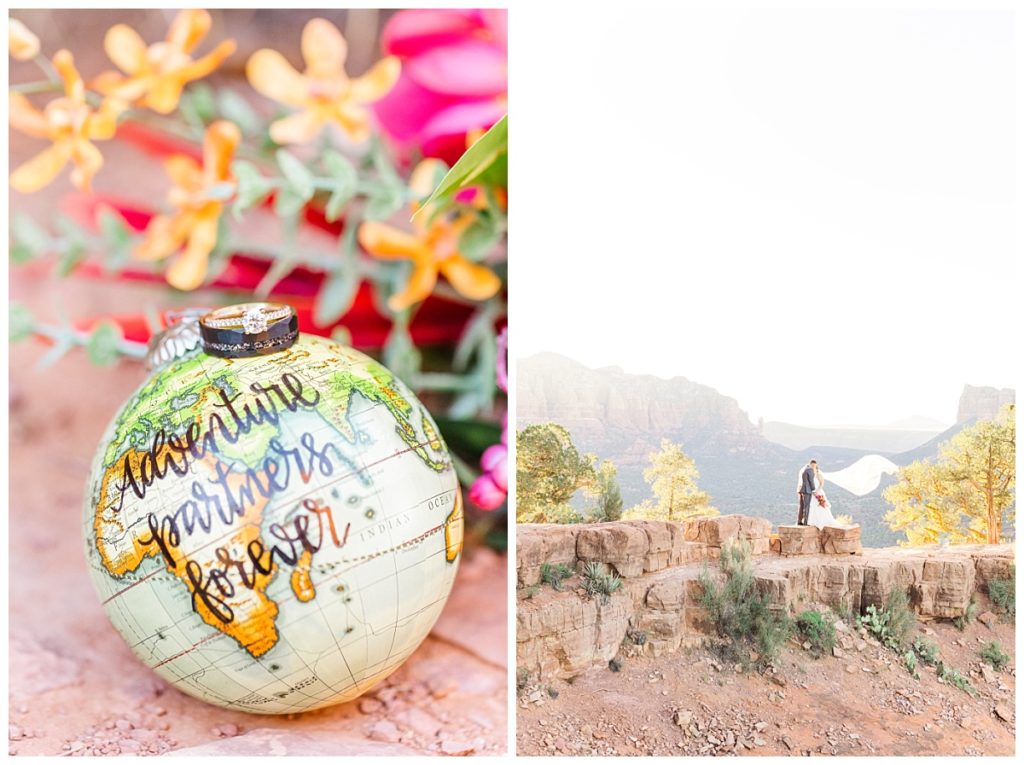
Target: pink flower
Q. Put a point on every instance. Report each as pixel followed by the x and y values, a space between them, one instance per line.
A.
pixel 501 372
pixel 491 488
pixel 454 78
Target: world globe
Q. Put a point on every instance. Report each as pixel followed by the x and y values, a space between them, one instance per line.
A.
pixel 276 533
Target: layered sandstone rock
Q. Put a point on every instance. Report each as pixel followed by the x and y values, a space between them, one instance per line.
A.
pixel 717 531
pixel 840 540
pixel 798 540
pixel 560 634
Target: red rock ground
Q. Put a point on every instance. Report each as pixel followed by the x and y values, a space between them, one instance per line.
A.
pixel 863 703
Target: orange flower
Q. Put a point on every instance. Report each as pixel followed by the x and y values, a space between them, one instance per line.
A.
pixel 198 194
pixel 323 93
pixel 433 248
pixel 22 43
pixel 70 123
pixel 158 73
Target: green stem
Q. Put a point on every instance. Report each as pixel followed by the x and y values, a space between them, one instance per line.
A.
pixel 48 71
pixel 39 86
pixel 127 348
pixel 171 127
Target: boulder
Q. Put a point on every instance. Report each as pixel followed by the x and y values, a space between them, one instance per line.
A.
pixel 716 531
pixel 840 540
pixel 798 540
pixel 540 543
pixel 622 546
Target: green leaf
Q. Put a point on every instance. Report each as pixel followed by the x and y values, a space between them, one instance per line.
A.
pixel 335 297
pixel 198 104
pixel 116 236
pixel 300 180
pixel 344 178
pixel 479 331
pixel 102 346
pixel 288 204
pixel 21 254
pixel 400 353
pixel 252 187
pixel 234 107
pixel 469 437
pixel 29 233
pixel 339 290
pixel 384 203
pixel 478 158
pixel 72 255
pixel 113 228
pixel 480 238
pixel 20 322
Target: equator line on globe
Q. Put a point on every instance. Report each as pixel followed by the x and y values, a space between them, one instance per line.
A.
pixel 271 529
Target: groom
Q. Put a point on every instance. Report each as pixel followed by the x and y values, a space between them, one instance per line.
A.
pixel 805 489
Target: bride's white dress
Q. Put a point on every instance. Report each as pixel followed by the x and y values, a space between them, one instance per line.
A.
pixel 818 515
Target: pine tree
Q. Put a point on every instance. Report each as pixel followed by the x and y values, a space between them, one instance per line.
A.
pixel 549 470
pixel 967 494
pixel 672 476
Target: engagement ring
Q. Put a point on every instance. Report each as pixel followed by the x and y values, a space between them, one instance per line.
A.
pixel 249 329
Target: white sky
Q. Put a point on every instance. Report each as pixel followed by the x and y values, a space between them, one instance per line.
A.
pixel 810 210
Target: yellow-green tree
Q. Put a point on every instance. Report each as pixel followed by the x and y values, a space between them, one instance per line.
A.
pixel 967 494
pixel 549 470
pixel 607 492
pixel 673 477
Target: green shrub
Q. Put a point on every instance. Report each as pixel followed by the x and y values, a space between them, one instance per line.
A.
pixel 949 675
pixel 891 624
pixel 522 678
pixel 555 575
pixel 993 655
pixel 818 631
pixel 910 662
pixel 1003 593
pixel 927 651
pixel 599 582
pixel 531 591
pixel 969 613
pixel 741 614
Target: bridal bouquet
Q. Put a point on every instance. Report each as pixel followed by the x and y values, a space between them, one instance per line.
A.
pixel 822 502
pixel 375 205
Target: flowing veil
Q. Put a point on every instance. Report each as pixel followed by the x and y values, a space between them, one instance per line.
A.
pixel 863 476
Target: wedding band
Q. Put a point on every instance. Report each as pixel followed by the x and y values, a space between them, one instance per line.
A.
pixel 249 329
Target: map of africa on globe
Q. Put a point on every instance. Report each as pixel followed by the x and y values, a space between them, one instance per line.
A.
pixel 276 533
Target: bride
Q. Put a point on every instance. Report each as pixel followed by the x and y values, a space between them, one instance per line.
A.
pixel 820 514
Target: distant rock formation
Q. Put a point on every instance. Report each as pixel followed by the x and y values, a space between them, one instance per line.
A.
pixel 982 402
pixel 560 634
pixel 600 406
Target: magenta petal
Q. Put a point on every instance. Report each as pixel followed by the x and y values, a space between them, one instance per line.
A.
pixel 410 32
pixel 494 461
pixel 485 494
pixel 494 455
pixel 496 20
pixel 471 68
pixel 404 111
pixel 456 121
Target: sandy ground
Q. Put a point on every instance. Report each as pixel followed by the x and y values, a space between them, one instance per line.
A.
pixel 861 703
pixel 74 685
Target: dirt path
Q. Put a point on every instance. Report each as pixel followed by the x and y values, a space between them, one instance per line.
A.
pixel 860 703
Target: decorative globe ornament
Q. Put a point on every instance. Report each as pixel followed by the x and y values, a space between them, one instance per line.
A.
pixel 272 522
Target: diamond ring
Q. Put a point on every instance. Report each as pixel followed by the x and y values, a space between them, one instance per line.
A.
pixel 249 329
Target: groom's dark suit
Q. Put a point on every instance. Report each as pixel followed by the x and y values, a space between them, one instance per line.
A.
pixel 806 490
